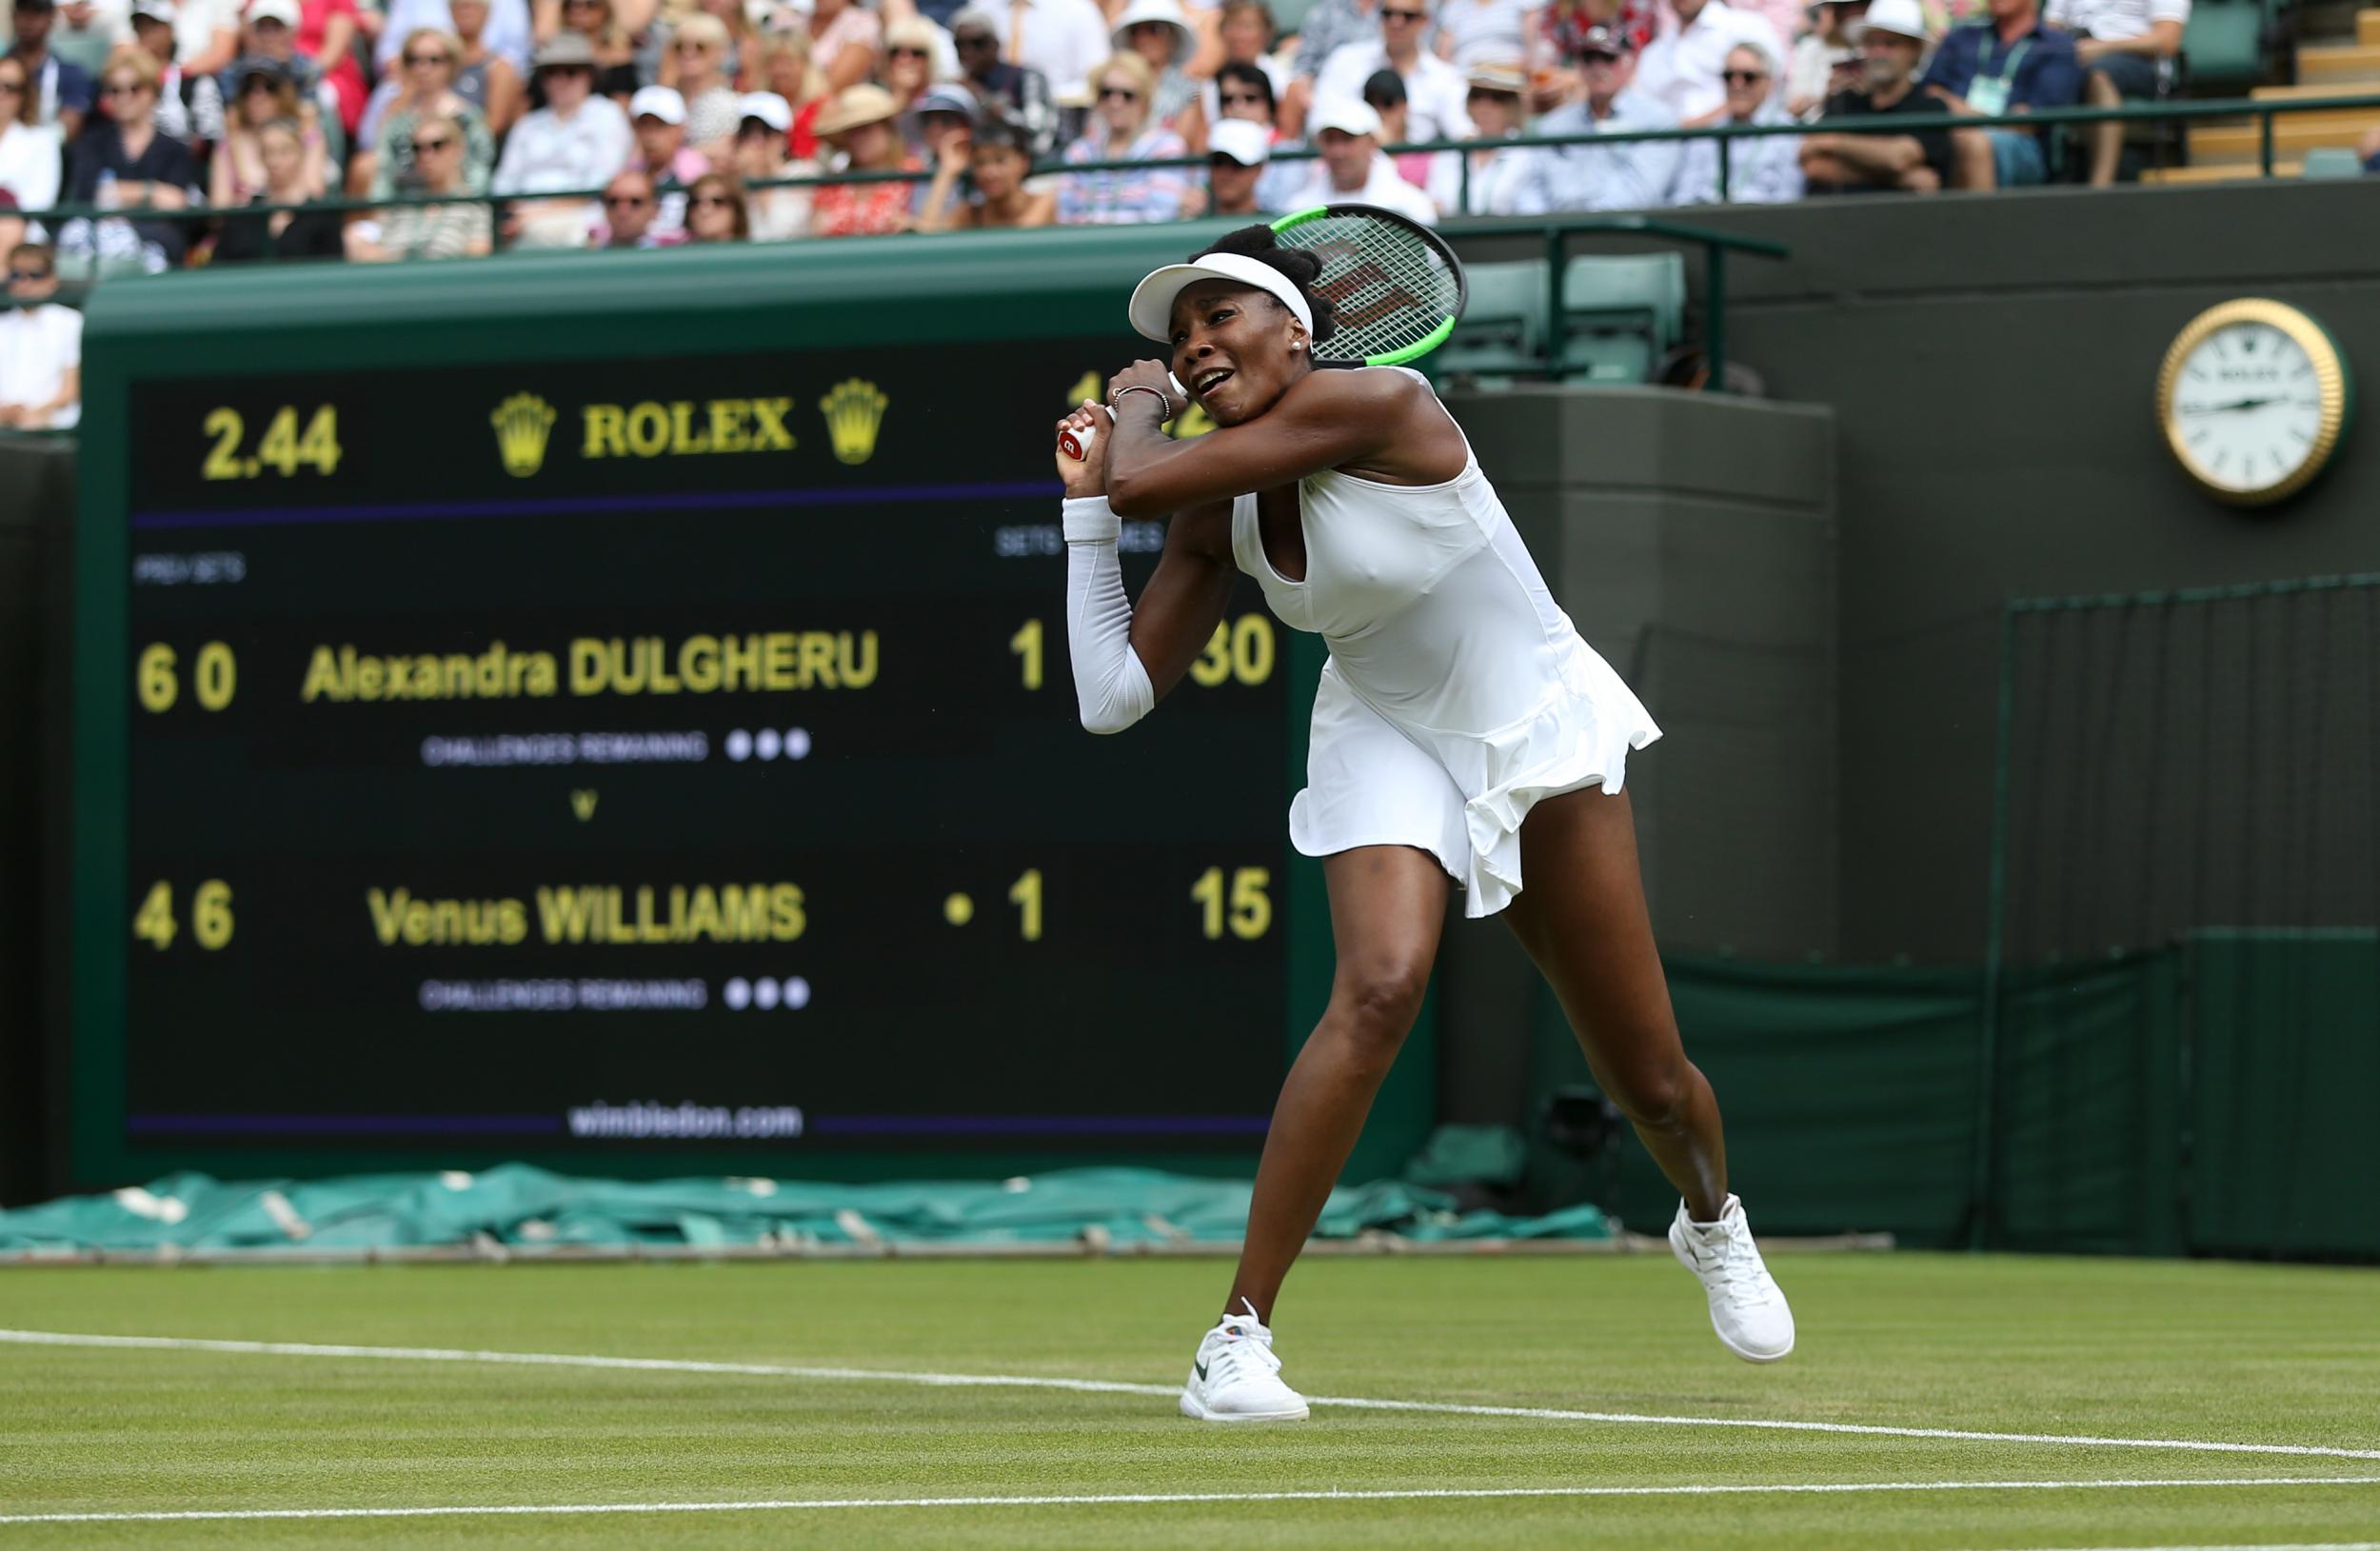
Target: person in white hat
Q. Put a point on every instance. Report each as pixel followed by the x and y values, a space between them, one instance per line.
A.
pixel 1159 32
pixel 1350 170
pixel 1464 734
pixel 1236 154
pixel 1498 103
pixel 577 140
pixel 1434 90
pixel 1839 156
pixel 657 115
pixel 762 155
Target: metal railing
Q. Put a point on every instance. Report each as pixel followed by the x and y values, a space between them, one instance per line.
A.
pixel 1724 135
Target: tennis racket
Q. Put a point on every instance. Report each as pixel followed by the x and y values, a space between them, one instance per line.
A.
pixel 1394 287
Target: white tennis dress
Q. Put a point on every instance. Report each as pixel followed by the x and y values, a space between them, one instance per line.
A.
pixel 1458 695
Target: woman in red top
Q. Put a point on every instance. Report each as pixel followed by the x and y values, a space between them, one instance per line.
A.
pixel 861 125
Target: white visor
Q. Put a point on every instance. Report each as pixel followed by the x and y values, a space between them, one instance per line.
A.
pixel 1152 310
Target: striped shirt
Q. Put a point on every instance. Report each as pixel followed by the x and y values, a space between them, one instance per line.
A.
pixel 1129 194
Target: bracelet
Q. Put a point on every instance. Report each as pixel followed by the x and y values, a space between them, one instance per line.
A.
pixel 1143 387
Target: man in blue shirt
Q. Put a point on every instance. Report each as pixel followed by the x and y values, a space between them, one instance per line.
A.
pixel 2008 64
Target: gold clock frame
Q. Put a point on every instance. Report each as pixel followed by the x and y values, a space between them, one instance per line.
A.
pixel 2331 379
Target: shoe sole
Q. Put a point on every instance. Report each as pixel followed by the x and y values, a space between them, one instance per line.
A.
pixel 1679 1253
pixel 1198 1412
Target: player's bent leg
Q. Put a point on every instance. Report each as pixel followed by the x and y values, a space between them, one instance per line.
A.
pixel 1581 916
pixel 1388 904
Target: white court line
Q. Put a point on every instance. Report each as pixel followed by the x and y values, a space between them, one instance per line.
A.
pixel 1106 1386
pixel 1093 1499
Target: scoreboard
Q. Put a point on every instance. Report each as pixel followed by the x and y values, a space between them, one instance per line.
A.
pixel 608 757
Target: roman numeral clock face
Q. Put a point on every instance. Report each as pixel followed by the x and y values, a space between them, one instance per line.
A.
pixel 2253 398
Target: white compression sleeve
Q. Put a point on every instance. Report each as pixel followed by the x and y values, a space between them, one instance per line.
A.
pixel 1111 686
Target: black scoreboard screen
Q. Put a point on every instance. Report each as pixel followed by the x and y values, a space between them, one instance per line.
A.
pixel 659 753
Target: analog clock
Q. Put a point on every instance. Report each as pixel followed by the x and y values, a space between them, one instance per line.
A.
pixel 2254 398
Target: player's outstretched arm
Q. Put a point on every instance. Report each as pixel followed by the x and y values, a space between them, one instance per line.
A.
pixel 1125 658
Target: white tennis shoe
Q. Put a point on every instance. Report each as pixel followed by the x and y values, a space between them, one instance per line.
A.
pixel 1747 1308
pixel 1235 1377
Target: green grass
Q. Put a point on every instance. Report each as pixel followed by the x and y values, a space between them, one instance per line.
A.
pixel 2108 1347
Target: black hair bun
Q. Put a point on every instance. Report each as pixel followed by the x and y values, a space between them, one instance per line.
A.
pixel 1298 267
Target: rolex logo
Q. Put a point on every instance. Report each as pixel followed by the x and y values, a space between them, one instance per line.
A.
pixel 521 423
pixel 853 411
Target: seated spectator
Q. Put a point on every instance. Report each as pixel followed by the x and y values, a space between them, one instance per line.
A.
pixel 1636 175
pixel 599 22
pixel 1159 32
pixel 153 29
pixel 699 52
pixel 1065 40
pixel 1762 169
pixel 1247 32
pixel 785 69
pixel 2008 64
pixel 1680 69
pixel 632 213
pixel 2123 47
pixel 1838 158
pixel 482 77
pixel 1330 25
pixel 509 30
pixel 860 125
pixel 776 215
pixel 205 39
pixel 577 141
pixel 41 347
pixel 425 89
pixel 715 210
pixel 1824 60
pixel 122 161
pixel 1434 90
pixel 1435 173
pixel 283 234
pixel 272 34
pixel 1245 91
pixel 1022 93
pixel 85 30
pixel 325 35
pixel 30 161
pixel 661 151
pixel 1236 154
pixel 457 228
pixel 62 89
pixel 995 155
pixel 265 95
pixel 908 66
pixel 1118 130
pixel 1351 170
pixel 1483 31
pixel 1500 181
pixel 934 121
pixel 846 39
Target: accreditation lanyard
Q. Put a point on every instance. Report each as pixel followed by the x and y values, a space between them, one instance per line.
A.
pixel 1988 94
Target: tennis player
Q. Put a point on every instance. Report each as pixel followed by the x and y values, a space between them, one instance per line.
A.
pixel 1464 735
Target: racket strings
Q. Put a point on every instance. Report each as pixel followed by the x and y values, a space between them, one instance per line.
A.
pixel 1388 288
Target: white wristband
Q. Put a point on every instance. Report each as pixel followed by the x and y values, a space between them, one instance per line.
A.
pixel 1089 521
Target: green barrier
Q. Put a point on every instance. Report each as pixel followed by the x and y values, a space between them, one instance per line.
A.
pixel 517 1206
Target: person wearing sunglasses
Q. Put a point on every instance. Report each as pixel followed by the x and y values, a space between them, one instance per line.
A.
pixel 1159 32
pixel 1120 130
pixel 1019 92
pixel 436 229
pixel 1681 68
pixel 63 90
pixel 509 30
pixel 697 67
pixel 1435 91
pixel 124 160
pixel 423 89
pixel 577 140
pixel 611 32
pixel 910 63
pixel 1636 175
pixel 1499 181
pixel 631 213
pixel 1247 33
pixel 715 210
pixel 41 347
pixel 1762 169
pixel 30 161
pixel 266 95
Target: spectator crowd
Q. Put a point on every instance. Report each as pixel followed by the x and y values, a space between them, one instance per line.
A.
pixel 931 114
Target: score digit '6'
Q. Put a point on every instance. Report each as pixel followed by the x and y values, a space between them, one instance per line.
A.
pixel 215 677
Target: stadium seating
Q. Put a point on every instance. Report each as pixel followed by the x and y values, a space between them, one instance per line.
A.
pixel 1620 314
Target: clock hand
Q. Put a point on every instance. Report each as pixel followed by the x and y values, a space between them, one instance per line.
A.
pixel 2226 409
